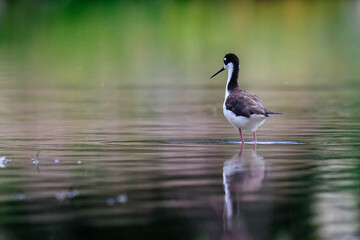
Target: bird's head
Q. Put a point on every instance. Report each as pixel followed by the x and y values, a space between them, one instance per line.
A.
pixel 230 60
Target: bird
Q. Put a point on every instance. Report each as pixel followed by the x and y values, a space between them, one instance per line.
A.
pixel 243 109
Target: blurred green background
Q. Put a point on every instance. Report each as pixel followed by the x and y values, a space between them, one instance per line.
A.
pixel 179 42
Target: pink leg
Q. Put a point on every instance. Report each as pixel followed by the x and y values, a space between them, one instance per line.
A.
pixel 242 139
pixel 241 148
pixel 242 142
pixel 254 141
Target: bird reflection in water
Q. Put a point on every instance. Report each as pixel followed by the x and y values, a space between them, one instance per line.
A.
pixel 243 176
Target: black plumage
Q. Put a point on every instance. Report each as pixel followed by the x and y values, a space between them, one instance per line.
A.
pixel 244 103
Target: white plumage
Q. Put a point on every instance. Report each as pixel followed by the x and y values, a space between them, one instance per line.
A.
pixel 244 123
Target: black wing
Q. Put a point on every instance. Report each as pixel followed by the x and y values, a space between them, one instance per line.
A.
pixel 244 103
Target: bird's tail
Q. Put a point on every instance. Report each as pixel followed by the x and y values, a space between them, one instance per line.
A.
pixel 268 112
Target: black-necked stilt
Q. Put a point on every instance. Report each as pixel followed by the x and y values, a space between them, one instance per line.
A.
pixel 244 110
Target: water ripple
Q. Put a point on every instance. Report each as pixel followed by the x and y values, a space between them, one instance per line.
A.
pixel 224 142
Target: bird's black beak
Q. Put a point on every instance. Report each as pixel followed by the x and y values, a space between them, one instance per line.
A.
pixel 222 69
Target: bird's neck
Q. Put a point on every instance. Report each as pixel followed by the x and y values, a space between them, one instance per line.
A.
pixel 233 73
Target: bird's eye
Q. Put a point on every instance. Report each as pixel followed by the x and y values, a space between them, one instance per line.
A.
pixel 224 59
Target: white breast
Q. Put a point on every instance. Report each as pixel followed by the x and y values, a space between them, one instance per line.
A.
pixel 244 123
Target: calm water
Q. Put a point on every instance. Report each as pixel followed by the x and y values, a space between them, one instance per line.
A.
pixel 160 170
pixel 112 135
